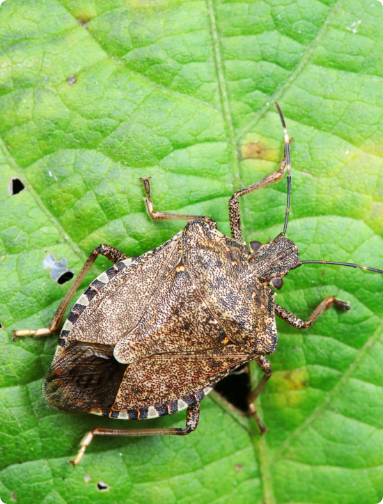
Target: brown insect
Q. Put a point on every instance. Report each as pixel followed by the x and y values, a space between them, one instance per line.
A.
pixel 153 334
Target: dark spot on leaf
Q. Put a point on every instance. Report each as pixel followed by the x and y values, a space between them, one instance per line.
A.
pixel 68 275
pixel 71 80
pixel 295 380
pixel 238 467
pixel 257 150
pixel 83 21
pixel 15 186
pixel 13 496
pixel 1 325
pixel 103 487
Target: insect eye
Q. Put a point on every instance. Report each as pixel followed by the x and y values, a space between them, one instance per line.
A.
pixel 254 246
pixel 277 283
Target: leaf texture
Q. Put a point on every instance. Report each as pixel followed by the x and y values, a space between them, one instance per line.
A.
pixel 95 95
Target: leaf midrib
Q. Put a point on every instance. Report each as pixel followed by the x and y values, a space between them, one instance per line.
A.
pixel 223 94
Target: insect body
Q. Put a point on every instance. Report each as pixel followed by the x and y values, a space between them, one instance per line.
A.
pixel 153 334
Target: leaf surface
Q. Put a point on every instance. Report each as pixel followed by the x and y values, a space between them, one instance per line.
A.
pixel 95 95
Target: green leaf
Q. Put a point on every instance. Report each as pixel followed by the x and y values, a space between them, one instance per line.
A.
pixel 95 95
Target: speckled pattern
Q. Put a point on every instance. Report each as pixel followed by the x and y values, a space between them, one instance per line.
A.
pixel 164 327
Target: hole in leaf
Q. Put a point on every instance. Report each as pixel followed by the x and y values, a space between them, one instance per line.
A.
pixel 1 325
pixel 103 487
pixel 68 275
pixel 59 269
pixel 235 388
pixel 15 186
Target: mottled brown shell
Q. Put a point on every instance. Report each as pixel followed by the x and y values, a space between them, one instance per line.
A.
pixel 153 334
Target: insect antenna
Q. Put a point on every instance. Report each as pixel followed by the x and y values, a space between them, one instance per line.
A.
pixel 288 167
pixel 351 265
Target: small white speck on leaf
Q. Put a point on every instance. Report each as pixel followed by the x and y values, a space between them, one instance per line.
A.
pixel 355 25
pixel 86 478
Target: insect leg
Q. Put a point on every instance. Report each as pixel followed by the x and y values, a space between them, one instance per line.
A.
pixel 235 218
pixel 264 364
pixel 319 310
pixel 169 215
pixel 107 251
pixel 192 417
pixel 234 215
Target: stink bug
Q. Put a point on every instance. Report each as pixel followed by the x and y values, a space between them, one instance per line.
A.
pixel 153 334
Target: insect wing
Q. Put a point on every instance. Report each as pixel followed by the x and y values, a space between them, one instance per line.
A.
pixel 176 321
pixel 122 300
pixel 82 378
